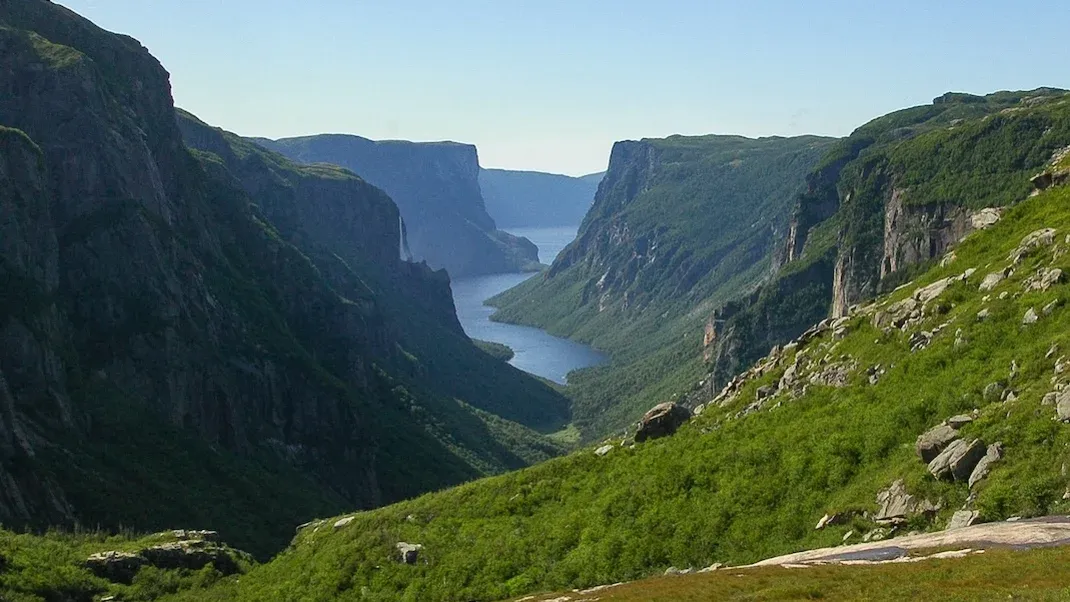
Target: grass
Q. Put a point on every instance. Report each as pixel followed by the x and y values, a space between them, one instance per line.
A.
pixel 736 489
pixel 1022 575
pixel 48 567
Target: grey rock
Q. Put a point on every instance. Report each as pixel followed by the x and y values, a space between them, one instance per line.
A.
pixel 983 315
pixel 959 421
pixel 962 519
pixel 1030 317
pixel 1062 405
pixel 605 449
pixel 1035 240
pixel 992 392
pixel 932 442
pixel 993 454
pixel 896 503
pixel 342 522
pixel 191 555
pixel 985 218
pixel 764 392
pixel 1044 279
pixel 958 460
pixel 662 420
pixel 409 552
pixel 117 567
pixel 991 281
pixel 1051 307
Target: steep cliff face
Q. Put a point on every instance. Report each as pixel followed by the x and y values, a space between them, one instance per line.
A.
pixel 436 187
pixel 678 227
pixel 900 192
pixel 216 337
pixel 527 199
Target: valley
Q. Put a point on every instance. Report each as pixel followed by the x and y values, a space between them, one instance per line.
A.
pixel 317 367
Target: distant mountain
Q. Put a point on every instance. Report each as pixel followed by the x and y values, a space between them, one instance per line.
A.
pixel 531 199
pixel 678 224
pixel 436 187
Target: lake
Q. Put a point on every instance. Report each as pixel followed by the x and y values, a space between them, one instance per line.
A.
pixel 537 351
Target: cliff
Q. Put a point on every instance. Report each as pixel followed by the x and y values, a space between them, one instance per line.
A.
pixel 678 226
pixel 436 187
pixel 218 336
pixel 528 199
pixel 898 193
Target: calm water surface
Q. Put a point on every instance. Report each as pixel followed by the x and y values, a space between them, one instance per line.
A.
pixel 536 351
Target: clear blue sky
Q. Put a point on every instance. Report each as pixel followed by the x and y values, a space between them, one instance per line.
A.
pixel 551 84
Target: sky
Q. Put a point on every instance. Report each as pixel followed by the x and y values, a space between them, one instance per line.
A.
pixel 549 85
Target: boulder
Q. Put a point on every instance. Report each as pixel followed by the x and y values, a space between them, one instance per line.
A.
pixel 1062 405
pixel 830 520
pixel 1035 240
pixel 410 552
pixel 1030 317
pixel 962 519
pixel 605 449
pixel 985 218
pixel 991 281
pixel 934 290
pixel 117 567
pixel 959 421
pixel 895 503
pixel 958 460
pixel 343 522
pixel 993 454
pixel 1044 279
pixel 662 420
pixel 932 442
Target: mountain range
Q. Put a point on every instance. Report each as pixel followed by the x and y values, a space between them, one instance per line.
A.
pixel 214 344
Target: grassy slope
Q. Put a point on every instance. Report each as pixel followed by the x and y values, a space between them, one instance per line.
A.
pixel 736 490
pixel 47 568
pixel 713 208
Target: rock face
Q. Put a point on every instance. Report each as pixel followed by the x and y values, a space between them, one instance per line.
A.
pixel 436 187
pixel 662 420
pixel 993 454
pixel 895 504
pixel 877 216
pixel 527 199
pixel 189 554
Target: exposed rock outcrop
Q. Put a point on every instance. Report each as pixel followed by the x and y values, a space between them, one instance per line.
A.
pixel 662 420
pixel 958 460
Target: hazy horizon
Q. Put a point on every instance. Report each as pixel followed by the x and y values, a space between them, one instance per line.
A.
pixel 550 86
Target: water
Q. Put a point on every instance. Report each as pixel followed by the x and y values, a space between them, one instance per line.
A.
pixel 536 351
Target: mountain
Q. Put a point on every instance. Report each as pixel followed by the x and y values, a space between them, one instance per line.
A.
pixel 678 226
pixel 436 187
pixel 214 336
pixel 944 400
pixel 530 199
pixel 885 203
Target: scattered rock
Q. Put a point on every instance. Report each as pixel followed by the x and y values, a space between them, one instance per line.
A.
pixel 1062 405
pixel 932 442
pixel 959 421
pixel 1044 279
pixel 985 218
pixel 1030 317
pixel 765 392
pixel 848 535
pixel 713 567
pixel 675 571
pixel 993 454
pixel 662 420
pixel 187 535
pixel 605 449
pixel 830 520
pixel 934 290
pixel 963 519
pixel 343 522
pixel 117 567
pixel 958 460
pixel 895 503
pixel 992 392
pixel 410 552
pixel 1035 240
pixel 875 535
pixel 991 281
pixel 1051 307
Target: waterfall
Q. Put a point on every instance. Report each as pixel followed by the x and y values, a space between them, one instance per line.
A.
pixel 406 254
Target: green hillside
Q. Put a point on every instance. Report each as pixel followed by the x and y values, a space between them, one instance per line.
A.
pixel 678 227
pixel 821 426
